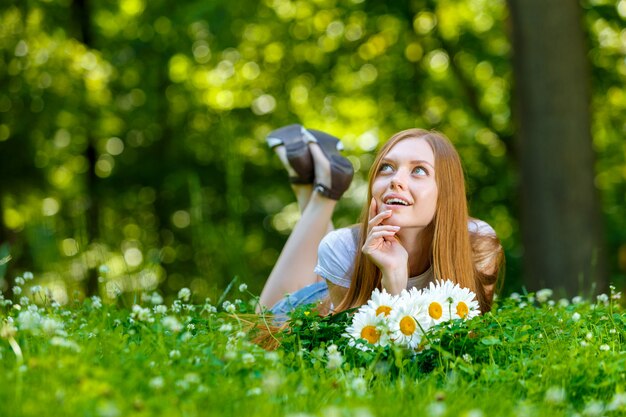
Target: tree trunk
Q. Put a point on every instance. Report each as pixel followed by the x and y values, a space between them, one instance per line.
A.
pixel 81 12
pixel 560 215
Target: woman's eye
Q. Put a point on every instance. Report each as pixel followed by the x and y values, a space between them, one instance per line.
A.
pixel 385 168
pixel 420 171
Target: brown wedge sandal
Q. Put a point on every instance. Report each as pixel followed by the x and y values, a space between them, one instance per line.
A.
pixel 340 168
pixel 298 153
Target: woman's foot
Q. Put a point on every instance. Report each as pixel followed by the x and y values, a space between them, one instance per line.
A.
pixel 333 172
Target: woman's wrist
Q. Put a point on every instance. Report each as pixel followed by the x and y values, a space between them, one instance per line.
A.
pixel 395 281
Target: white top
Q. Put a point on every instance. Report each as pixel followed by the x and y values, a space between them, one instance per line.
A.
pixel 337 252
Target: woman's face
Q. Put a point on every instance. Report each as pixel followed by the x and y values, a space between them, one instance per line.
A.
pixel 405 184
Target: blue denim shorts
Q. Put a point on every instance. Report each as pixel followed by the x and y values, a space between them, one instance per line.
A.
pixel 307 295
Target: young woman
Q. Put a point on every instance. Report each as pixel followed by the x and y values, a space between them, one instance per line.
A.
pixel 414 227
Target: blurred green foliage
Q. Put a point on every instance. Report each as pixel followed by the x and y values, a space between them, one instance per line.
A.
pixel 132 149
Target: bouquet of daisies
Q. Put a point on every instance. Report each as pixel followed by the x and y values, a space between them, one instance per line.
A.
pixel 404 319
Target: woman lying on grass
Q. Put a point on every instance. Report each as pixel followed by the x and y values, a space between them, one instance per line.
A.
pixel 414 228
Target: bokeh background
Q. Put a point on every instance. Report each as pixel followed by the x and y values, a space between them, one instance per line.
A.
pixel 132 152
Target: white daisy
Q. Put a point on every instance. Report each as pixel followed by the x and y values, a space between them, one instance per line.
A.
pixel 464 304
pixel 438 306
pixel 382 302
pixel 368 326
pixel 407 324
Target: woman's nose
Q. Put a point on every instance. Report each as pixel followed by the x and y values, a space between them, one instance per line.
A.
pixel 399 179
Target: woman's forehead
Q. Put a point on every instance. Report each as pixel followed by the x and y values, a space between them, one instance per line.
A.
pixel 417 149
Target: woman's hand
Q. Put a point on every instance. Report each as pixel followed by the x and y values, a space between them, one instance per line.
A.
pixel 383 248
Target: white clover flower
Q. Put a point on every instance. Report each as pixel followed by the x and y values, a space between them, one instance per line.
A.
pixel 603 299
pixel 335 358
pixel 272 356
pixel 62 342
pixel 404 324
pixel 177 306
pixel 35 289
pixel 24 301
pixel 243 287
pixel 229 307
pixel 96 302
pixel 544 295
pixel 17 290
pixel 515 296
pixel 156 299
pixel 467 357
pixel 382 302
pixel 577 300
pixel 51 326
pixel 368 326
pixel 172 324
pixel 28 275
pixel 555 395
pixel 254 392
pixel 226 328
pixel 29 320
pixel 184 294
pixel 174 354
pixel 157 383
pixel 19 281
pixel 247 358
pixel 436 409
pixel 605 348
pixel 142 314
pixel 576 316
pixel 589 336
pixel 359 386
pixel 593 409
pixel 563 302
pixel 612 331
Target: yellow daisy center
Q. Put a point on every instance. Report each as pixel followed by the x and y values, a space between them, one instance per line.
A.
pixel 384 310
pixel 370 333
pixel 408 325
pixel 462 310
pixel 434 310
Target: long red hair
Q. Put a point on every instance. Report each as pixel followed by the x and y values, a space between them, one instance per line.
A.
pixel 455 252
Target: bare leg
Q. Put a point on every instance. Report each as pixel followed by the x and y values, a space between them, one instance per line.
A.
pixel 294 268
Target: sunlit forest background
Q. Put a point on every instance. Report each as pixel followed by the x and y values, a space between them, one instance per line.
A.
pixel 132 150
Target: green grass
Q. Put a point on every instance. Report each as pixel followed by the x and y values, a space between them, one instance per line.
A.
pixel 524 359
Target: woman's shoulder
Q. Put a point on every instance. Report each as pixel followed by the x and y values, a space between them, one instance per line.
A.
pixel 345 237
pixel 480 227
